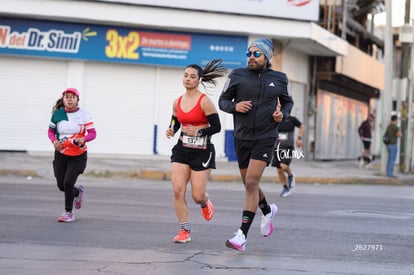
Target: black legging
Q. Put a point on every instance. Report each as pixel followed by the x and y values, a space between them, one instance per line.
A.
pixel 66 170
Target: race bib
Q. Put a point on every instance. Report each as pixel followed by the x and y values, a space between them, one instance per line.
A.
pixel 283 136
pixel 195 142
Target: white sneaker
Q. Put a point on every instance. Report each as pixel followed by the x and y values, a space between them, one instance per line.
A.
pixel 361 163
pixel 238 242
pixel 266 227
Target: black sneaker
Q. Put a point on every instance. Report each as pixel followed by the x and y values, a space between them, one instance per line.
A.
pixel 285 192
pixel 291 181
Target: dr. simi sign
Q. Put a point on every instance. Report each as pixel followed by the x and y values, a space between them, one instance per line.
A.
pixel 117 44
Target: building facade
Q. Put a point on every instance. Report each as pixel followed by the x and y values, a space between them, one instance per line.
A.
pixel 127 59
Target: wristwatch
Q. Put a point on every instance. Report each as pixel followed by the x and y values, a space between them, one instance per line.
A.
pixel 199 133
pixel 300 138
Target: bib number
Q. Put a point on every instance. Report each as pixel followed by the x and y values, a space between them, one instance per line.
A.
pixel 283 136
pixel 195 142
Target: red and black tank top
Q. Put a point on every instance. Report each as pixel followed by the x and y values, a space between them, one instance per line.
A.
pixel 194 117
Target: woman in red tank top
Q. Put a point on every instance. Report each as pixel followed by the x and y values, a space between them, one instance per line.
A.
pixel 193 156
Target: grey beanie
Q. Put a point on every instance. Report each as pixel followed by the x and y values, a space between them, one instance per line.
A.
pixel 265 45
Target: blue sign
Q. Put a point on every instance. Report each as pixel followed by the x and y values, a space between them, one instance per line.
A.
pixel 117 44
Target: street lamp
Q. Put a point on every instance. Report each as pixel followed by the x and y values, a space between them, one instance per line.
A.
pixel 406 37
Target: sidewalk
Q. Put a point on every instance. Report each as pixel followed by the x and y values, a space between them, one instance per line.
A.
pixel 159 168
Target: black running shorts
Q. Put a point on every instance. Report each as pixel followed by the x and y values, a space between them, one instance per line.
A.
pixel 261 149
pixel 367 144
pixel 282 154
pixel 197 159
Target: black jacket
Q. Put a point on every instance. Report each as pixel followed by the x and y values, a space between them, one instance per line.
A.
pixel 364 130
pixel 263 89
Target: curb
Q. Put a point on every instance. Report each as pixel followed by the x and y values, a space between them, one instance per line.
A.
pixel 18 172
pixel 150 174
pixel 377 181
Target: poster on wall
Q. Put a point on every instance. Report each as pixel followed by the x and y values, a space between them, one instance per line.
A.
pixel 118 44
pixel 338 119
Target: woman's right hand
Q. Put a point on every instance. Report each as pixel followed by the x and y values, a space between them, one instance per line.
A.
pixel 57 145
pixel 169 133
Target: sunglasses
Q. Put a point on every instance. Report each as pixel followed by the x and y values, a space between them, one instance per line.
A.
pixel 256 54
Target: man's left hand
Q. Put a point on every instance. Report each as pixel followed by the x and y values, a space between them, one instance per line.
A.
pixel 278 116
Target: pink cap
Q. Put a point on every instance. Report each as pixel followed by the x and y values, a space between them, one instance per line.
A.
pixel 71 90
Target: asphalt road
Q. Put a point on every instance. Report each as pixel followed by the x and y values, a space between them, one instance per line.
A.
pixel 126 227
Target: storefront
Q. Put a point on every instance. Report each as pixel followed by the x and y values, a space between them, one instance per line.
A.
pixel 127 60
pixel 128 79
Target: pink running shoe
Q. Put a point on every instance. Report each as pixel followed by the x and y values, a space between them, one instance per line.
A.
pixel 238 242
pixel 79 199
pixel 66 217
pixel 266 226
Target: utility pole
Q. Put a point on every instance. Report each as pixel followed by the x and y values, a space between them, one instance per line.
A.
pixel 389 75
pixel 409 94
pixel 409 158
pixel 405 77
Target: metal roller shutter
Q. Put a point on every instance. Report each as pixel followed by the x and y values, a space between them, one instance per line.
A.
pixel 120 99
pixel 29 89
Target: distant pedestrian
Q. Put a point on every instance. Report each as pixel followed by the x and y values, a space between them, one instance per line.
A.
pixel 285 151
pixel 193 156
pixel 393 132
pixel 365 134
pixel 251 95
pixel 70 128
